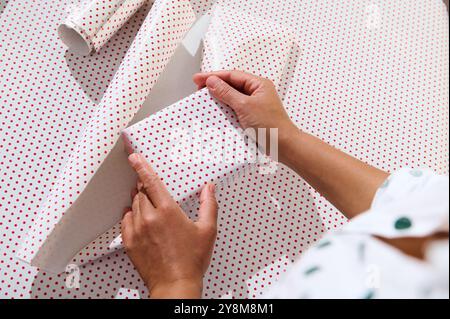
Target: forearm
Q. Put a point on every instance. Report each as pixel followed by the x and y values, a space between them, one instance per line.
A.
pixel 346 182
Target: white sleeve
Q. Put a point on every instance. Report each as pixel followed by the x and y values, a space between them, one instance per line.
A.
pixel 410 203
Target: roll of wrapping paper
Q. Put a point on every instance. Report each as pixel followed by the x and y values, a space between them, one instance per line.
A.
pixel 92 23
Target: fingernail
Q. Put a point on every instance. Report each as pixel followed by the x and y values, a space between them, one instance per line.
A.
pixel 212 188
pixel 134 158
pixel 213 81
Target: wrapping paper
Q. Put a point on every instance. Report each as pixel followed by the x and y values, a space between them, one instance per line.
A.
pixel 106 195
pixel 240 41
pixel 192 142
pixel 270 45
pixel 61 215
pixel 92 23
pixel 379 95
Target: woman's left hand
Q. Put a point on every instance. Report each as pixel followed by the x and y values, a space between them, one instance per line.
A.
pixel 170 251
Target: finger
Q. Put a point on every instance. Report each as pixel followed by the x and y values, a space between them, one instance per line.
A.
pixel 225 93
pixel 128 148
pixel 127 217
pixel 135 205
pixel 207 213
pixel 126 227
pixel 152 184
pixel 133 193
pixel 137 212
pixel 145 206
pixel 240 80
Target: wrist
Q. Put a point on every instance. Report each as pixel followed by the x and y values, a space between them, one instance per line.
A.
pixel 177 289
pixel 287 139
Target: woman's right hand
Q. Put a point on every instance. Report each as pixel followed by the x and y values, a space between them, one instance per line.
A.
pixel 254 100
pixel 257 105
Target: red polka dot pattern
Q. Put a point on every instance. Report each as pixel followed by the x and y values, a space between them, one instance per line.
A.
pixel 376 87
pixel 98 20
pixel 263 49
pixel 157 39
pixel 190 143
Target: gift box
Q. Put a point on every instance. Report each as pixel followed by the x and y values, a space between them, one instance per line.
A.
pixel 192 142
pixel 189 143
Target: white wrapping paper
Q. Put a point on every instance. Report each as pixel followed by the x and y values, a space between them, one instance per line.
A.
pixel 91 23
pixel 78 219
pixel 264 221
pixel 240 41
pixel 192 142
pixel 88 212
pixel 270 45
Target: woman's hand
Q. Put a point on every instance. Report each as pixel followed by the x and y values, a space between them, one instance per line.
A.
pixel 254 100
pixel 346 182
pixel 170 252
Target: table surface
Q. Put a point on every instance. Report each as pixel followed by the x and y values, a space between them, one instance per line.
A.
pixel 372 80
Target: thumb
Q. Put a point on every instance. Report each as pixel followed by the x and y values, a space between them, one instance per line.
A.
pixel 224 92
pixel 207 213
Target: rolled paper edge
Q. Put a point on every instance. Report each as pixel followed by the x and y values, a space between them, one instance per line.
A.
pixel 74 37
